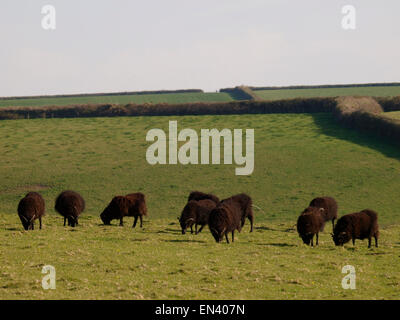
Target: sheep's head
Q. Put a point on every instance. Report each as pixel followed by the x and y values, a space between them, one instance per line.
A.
pixel 105 216
pixel 72 221
pixel 340 238
pixel 27 223
pixel 307 238
pixel 186 223
pixel 188 215
pixel 117 208
pixel 218 234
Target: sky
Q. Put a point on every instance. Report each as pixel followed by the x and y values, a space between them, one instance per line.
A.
pixel 121 45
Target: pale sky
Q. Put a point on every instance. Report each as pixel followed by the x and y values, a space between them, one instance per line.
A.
pixel 121 45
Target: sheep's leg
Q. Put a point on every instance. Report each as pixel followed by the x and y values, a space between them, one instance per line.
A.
pixel 191 229
pixel 40 223
pixel 251 223
pixel 317 239
pixel 201 228
pixel 233 236
pixel 312 241
pixel 369 242
pixel 354 241
pixel 141 221
pixel 33 226
pixel 121 221
pixel 135 221
pixel 65 220
pixel 226 237
pixel 376 241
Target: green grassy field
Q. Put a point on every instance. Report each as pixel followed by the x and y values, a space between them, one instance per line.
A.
pixel 157 262
pixel 381 91
pixel 297 157
pixel 121 99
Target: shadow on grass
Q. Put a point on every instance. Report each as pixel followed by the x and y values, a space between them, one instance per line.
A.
pixel 329 126
pixel 271 229
pixel 184 241
pixel 376 253
pixel 12 229
pixel 265 229
pixel 170 231
pixel 281 245
pixel 237 96
pixel 139 240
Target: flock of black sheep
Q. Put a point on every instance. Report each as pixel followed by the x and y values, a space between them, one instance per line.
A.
pixel 222 217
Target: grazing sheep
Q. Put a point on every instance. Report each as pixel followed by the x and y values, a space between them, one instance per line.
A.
pixel 244 202
pixel 310 223
pixel 131 205
pixel 197 195
pixel 30 208
pixel 224 218
pixel 196 213
pixel 358 225
pixel 330 207
pixel 70 205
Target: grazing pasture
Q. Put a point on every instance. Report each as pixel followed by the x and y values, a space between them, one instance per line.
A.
pixel 121 99
pixel 297 158
pixel 94 261
pixel 378 91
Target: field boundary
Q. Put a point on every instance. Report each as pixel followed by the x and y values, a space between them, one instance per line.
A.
pixel 327 86
pixel 124 93
pixel 366 114
pixel 297 105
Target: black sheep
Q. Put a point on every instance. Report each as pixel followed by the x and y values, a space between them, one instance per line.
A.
pixel 70 205
pixel 224 218
pixel 359 225
pixel 30 208
pixel 309 224
pixel 330 207
pixel 196 213
pixel 198 195
pixel 131 205
pixel 244 202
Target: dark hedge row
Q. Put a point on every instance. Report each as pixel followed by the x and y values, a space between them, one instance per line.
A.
pixel 391 84
pixel 366 115
pixel 299 105
pixel 126 93
pixel 389 103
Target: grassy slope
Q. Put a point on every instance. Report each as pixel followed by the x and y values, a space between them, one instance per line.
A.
pixel 123 99
pixel 297 157
pixel 328 92
pixel 395 114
